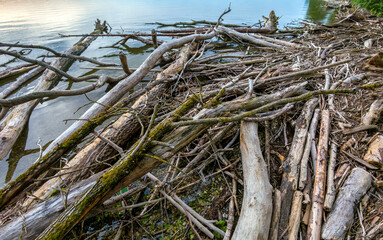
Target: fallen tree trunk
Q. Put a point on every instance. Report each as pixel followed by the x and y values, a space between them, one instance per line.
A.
pixel 244 36
pixel 136 164
pixel 32 223
pixel 342 215
pixel 20 81
pixel 119 132
pixel 255 218
pixel 94 114
pixel 10 72
pixel 12 125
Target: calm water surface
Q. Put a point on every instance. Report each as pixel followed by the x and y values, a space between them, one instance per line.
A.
pixel 40 22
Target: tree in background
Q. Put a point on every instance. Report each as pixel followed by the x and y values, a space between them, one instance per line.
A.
pixel 374 6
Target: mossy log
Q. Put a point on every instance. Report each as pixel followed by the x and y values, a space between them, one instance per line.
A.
pixel 135 164
pixel 33 222
pixel 14 122
pixel 95 114
pixel 119 132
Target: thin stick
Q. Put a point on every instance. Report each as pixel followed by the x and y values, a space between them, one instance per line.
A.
pixel 331 189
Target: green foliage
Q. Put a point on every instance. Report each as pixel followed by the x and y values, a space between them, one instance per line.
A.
pixel 374 6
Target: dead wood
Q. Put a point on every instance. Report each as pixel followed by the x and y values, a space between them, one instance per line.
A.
pixel 315 223
pixel 295 217
pixel 14 71
pixel 342 215
pixel 20 81
pixel 331 189
pixel 191 136
pixel 12 125
pixel 33 222
pixel 251 39
pixel 291 175
pixel 255 218
pixel 374 152
pixel 129 169
pixel 274 226
pixel 118 133
pixel 373 114
pixel 81 128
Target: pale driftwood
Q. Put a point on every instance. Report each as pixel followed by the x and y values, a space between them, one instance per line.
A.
pixel 277 41
pixel 244 36
pixel 295 217
pixel 313 130
pixel 291 164
pixel 373 114
pixel 118 133
pixel 315 222
pixel 342 215
pixel 131 168
pixel 10 72
pixel 360 129
pixel 374 154
pixel 374 231
pixel 82 127
pixel 276 214
pixel 33 222
pixel 12 125
pixel 331 189
pixel 20 81
pixel 306 153
pixel 124 86
pixel 299 140
pixel 254 221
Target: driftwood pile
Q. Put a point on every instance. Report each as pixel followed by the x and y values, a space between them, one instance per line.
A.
pixel 267 133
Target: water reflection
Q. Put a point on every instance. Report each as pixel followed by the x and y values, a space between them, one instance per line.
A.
pixel 317 11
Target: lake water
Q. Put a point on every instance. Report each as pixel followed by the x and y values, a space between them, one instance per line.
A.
pixel 40 22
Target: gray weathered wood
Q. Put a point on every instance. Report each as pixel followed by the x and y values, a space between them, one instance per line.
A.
pixel 342 215
pixel 254 221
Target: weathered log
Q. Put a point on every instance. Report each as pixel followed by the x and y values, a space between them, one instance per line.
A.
pixel 315 222
pixel 118 133
pixel 291 164
pixel 10 72
pixel 20 81
pixel 80 129
pixel 342 215
pixel 306 153
pixel 123 87
pixel 13 124
pixel 254 221
pixel 276 215
pixel 295 217
pixel 131 167
pixel 244 36
pixel 33 222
